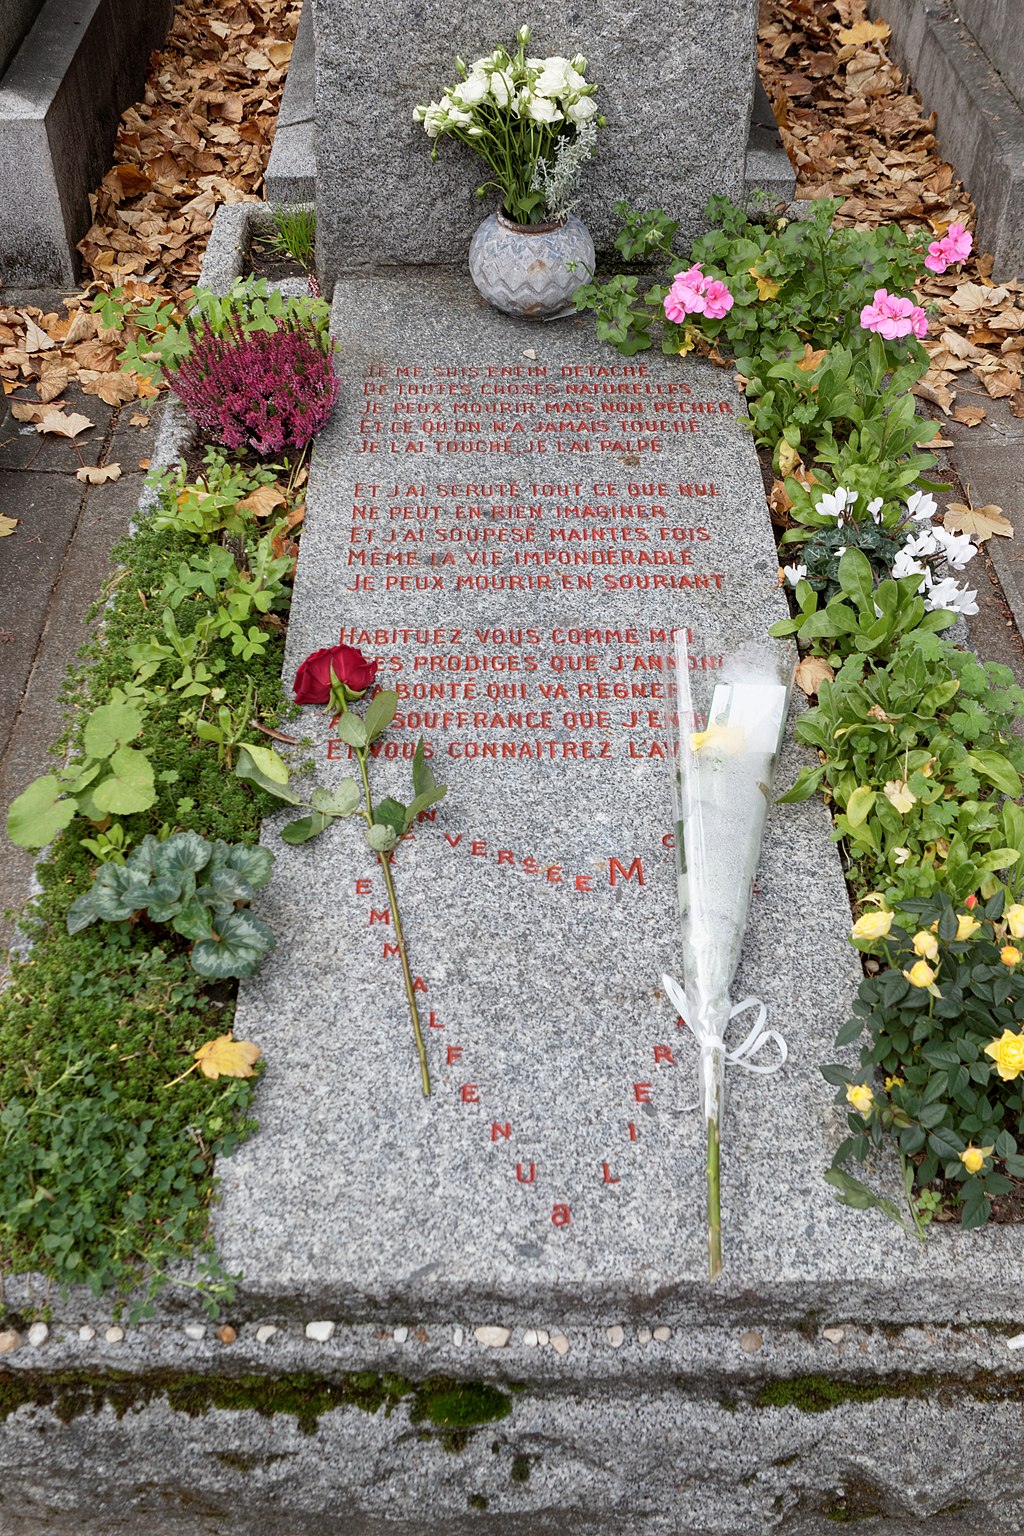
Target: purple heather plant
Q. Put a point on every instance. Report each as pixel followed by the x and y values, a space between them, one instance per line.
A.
pixel 270 391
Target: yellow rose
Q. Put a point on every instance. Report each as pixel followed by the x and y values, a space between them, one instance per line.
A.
pixel 966 926
pixel 873 925
pixel 893 1082
pixel 1010 954
pixel 920 974
pixel 861 1097
pixel 926 945
pixel 1015 920
pixel 973 1158
pixel 1008 1055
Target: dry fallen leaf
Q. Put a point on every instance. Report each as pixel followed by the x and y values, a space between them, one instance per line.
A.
pixel 136 419
pixel 811 673
pixel 59 425
pixel 36 339
pixel 970 415
pixel 227 1057
pixel 980 522
pixel 8 525
pixel 26 410
pixel 263 500
pixel 98 474
pixel 864 32
pixel 789 458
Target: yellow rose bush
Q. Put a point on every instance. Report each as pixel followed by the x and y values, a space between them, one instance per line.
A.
pixel 943 1026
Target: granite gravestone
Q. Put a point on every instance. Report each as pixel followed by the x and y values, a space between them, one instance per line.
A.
pixel 512 521
pixel 676 85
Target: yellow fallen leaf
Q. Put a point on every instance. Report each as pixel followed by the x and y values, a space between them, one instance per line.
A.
pixel 766 289
pixel 811 358
pixel 98 474
pixel 263 500
pixel 811 673
pixel 59 425
pixel 789 458
pixel 136 419
pixel 279 53
pixel 900 795
pixel 980 522
pixel 8 525
pixel 864 32
pixel 226 1057
pixel 970 415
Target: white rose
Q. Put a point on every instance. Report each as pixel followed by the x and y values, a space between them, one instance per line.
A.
pixel 581 110
pixel 501 88
pixel 543 111
pixel 472 91
pixel 434 118
pixel 553 78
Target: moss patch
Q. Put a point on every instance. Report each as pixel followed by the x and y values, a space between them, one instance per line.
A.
pixel 455 1407
pixel 820 1394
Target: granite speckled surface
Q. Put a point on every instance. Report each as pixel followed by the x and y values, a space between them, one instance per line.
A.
pixel 359 1195
pixel 676 86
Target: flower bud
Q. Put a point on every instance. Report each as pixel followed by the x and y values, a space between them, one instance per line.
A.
pixel 926 945
pixel 579 64
pixel 973 1159
pixel 1010 954
pixel 920 974
pixel 1015 920
pixel 872 925
pixel 523 35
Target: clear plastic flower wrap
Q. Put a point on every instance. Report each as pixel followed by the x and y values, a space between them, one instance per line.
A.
pixel 726 721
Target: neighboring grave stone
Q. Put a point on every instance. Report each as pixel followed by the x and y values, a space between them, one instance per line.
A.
pixel 16 16
pixel 512 519
pixel 60 99
pixel 676 85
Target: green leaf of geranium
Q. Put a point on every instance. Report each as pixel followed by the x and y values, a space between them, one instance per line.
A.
pixel 110 726
pixel 129 787
pixel 37 815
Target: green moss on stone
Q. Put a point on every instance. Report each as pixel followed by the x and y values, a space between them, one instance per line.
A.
pixel 520 1469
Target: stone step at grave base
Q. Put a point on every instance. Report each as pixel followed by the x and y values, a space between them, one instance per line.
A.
pixel 515 1267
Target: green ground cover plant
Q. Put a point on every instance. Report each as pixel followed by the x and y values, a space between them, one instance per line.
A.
pixel 108 1133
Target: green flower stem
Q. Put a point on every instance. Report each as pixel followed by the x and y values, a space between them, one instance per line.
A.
pixel 714 1204
pixel 384 860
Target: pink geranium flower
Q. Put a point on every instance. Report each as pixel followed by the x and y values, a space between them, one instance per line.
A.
pixel 717 300
pixel 893 317
pixel 694 294
pixel 955 245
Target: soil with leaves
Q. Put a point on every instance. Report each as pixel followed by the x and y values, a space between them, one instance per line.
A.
pixel 855 129
pixel 201 136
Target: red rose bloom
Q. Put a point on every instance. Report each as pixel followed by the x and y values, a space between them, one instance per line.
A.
pixel 349 665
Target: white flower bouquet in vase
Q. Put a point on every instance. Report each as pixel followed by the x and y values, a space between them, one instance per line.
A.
pixel 534 122
pixel 726 720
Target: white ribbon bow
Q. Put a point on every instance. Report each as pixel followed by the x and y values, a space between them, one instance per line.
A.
pixel 740 1057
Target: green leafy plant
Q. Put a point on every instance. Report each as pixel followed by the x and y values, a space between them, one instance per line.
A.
pixel 944 1023
pixel 916 758
pixel 110 778
pixel 161 880
pixel 862 618
pixel 249 302
pixel 208 505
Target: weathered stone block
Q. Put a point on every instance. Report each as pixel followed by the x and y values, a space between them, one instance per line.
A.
pixel 676 87
pixel 60 101
pixel 15 19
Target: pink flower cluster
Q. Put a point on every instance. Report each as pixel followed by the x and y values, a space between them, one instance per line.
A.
pixel 954 246
pixel 271 391
pixel 892 316
pixel 694 294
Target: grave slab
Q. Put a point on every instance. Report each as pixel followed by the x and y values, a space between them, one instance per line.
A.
pixel 511 519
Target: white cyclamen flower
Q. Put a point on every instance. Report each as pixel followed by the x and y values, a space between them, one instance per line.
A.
pixel 957 548
pixel 905 565
pixel 921 506
pixel 875 509
pixel 794 573
pixel 951 597
pixel 835 503
pixel 920 544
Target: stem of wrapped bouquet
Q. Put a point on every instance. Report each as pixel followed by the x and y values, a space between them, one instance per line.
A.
pixel 726 724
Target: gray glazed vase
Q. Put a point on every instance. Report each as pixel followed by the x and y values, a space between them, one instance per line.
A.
pixel 524 269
